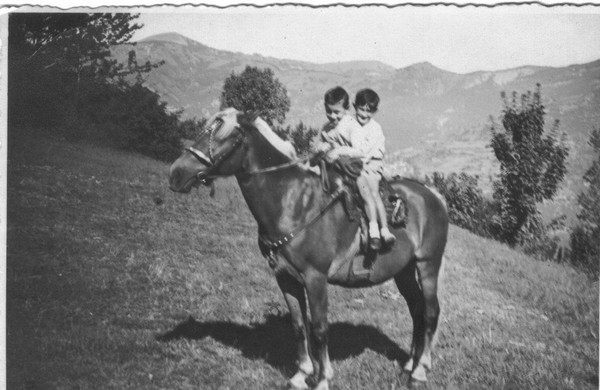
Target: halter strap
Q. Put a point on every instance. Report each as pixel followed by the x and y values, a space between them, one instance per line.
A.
pixel 200 156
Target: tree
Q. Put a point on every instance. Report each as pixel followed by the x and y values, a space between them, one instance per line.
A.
pixel 532 165
pixel 256 90
pixel 76 44
pixel 57 59
pixel 585 245
pixel 62 73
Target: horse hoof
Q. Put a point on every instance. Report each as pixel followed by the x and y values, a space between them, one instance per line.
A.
pixel 408 366
pixel 298 382
pixel 419 374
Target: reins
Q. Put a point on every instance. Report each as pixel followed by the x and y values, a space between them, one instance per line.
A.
pixel 279 167
pixel 212 163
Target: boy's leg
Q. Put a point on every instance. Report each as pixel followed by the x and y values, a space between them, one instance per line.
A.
pixel 371 211
pixel 387 236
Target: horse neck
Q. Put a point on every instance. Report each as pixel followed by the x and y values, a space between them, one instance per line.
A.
pixel 274 197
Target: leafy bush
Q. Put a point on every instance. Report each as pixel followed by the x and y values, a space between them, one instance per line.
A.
pixel 143 124
pixel 467 207
pixel 585 237
pixel 301 137
pixel 191 128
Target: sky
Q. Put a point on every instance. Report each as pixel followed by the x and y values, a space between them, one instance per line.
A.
pixel 460 40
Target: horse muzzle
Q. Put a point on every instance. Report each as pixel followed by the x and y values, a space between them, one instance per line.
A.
pixel 180 182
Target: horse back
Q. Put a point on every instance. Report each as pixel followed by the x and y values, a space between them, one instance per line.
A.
pixel 427 217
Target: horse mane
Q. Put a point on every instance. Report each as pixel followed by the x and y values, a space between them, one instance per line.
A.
pixel 284 147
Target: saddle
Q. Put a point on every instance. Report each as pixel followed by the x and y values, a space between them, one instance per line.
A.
pixel 342 174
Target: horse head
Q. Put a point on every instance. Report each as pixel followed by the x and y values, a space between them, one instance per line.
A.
pixel 215 153
pixel 219 152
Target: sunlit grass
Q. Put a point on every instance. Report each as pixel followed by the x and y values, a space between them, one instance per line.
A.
pixel 96 269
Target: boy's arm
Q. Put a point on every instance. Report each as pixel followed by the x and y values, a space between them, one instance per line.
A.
pixel 346 151
pixel 345 129
pixel 376 148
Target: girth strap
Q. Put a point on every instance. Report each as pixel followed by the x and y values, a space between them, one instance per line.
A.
pixel 269 247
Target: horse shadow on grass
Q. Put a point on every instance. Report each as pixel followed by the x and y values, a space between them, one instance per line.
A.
pixel 273 340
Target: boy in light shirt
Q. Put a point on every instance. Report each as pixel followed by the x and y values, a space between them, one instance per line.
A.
pixel 360 136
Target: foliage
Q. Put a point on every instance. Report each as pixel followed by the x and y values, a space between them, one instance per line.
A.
pixel 467 207
pixel 190 128
pixel 62 75
pixel 585 242
pixel 259 91
pixel 75 47
pixel 532 165
pixel 301 137
pixel 144 124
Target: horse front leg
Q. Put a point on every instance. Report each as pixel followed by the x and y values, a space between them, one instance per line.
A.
pixel 295 298
pixel 316 289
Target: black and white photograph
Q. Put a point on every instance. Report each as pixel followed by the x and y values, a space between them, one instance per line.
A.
pixel 300 195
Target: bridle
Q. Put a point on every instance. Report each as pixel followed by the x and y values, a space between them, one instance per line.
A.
pixel 212 162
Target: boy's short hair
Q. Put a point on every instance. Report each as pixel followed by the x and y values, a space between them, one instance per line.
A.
pixel 336 95
pixel 367 97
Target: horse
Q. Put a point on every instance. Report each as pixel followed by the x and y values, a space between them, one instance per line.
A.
pixel 308 237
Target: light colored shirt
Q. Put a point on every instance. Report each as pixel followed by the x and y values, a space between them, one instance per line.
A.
pixel 348 137
pixel 340 134
pixel 369 140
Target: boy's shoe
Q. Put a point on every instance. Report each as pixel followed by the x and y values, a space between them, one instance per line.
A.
pixel 375 244
pixel 388 237
pixel 374 239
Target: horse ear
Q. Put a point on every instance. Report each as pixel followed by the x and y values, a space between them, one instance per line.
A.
pixel 247 118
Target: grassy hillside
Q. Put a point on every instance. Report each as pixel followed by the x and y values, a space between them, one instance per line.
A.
pixel 96 269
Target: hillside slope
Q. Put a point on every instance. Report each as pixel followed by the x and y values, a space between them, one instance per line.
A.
pixel 102 258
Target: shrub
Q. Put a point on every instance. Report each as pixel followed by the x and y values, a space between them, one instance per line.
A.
pixel 585 242
pixel 532 165
pixel 467 207
pixel 144 124
pixel 301 137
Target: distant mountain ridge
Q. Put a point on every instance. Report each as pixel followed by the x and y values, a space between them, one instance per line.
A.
pixel 426 112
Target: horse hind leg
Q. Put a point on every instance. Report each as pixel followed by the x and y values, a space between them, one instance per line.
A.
pixel 428 273
pixel 407 284
pixel 293 293
pixel 418 286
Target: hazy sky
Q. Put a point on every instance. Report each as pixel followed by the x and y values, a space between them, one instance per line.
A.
pixel 461 40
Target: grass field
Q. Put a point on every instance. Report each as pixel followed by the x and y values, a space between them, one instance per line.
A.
pixel 96 269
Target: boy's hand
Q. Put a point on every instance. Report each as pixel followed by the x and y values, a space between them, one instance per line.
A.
pixel 323 147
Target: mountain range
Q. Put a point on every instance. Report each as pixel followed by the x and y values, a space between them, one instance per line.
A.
pixel 434 120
